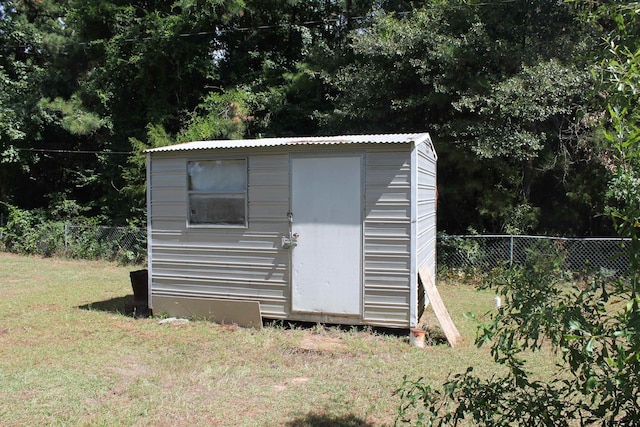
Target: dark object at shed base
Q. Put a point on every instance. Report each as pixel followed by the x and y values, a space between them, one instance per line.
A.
pixel 140 284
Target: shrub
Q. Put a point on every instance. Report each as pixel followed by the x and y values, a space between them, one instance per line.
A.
pixel 34 233
pixel 458 255
pixel 593 329
pixel 28 232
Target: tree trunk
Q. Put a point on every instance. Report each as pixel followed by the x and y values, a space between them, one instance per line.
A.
pixel 527 177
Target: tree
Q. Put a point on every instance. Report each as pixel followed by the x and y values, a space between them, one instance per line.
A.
pixel 219 116
pixel 278 50
pixel 594 327
pixel 500 85
pixel 32 40
pixel 86 76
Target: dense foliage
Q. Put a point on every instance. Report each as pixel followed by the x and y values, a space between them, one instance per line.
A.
pixel 505 89
pixel 592 329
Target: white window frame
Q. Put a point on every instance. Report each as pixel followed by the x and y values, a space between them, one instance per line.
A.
pixel 218 193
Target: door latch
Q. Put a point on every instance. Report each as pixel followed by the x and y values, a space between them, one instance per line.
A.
pixel 290 241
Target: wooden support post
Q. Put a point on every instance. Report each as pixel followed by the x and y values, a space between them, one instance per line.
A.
pixel 449 329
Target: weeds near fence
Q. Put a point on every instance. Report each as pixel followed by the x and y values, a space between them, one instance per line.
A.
pixel 126 245
pixel 31 233
pixel 475 255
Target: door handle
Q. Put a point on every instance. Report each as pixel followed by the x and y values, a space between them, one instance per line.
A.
pixel 290 241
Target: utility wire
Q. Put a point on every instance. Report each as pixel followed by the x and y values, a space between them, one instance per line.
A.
pixel 51 150
pixel 219 31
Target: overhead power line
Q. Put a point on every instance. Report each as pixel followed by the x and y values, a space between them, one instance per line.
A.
pixel 220 31
pixel 216 32
pixel 52 150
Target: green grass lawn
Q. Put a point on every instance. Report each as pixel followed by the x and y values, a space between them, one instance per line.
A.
pixel 71 354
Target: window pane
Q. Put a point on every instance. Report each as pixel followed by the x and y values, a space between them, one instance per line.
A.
pixel 218 175
pixel 228 209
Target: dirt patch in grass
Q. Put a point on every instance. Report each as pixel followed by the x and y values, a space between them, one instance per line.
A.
pixel 290 383
pixel 129 368
pixel 314 343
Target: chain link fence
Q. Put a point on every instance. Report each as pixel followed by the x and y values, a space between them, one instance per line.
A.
pixel 467 253
pixel 124 244
pixel 485 252
pixel 127 245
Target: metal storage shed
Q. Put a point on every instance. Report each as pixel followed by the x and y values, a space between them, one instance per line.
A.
pixel 321 229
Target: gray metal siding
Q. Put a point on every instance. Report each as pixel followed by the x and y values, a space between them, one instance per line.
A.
pixel 426 204
pixel 387 237
pixel 250 264
pixel 232 263
pixel 168 193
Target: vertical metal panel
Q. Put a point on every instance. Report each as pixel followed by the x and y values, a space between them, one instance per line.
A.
pixel 149 233
pixel 269 192
pixel 426 207
pixel 387 236
pixel 223 263
pixel 413 288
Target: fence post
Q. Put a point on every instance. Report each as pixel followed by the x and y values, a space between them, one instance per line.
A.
pixel 66 240
pixel 511 250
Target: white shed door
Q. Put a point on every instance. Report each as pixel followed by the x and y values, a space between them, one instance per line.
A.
pixel 327 216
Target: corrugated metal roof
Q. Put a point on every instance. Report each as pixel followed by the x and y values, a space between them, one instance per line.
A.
pixel 398 138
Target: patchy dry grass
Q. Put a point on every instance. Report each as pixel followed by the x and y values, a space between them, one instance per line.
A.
pixel 71 354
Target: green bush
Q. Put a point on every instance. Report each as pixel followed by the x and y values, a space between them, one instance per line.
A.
pixel 122 244
pixel 36 233
pixel 593 329
pixel 459 255
pixel 28 232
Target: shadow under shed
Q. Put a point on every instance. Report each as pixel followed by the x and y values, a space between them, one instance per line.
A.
pixel 314 419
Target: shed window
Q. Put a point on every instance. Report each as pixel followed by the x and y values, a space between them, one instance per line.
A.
pixel 218 192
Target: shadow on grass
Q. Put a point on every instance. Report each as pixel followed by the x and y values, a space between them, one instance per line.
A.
pixel 120 305
pixel 323 420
